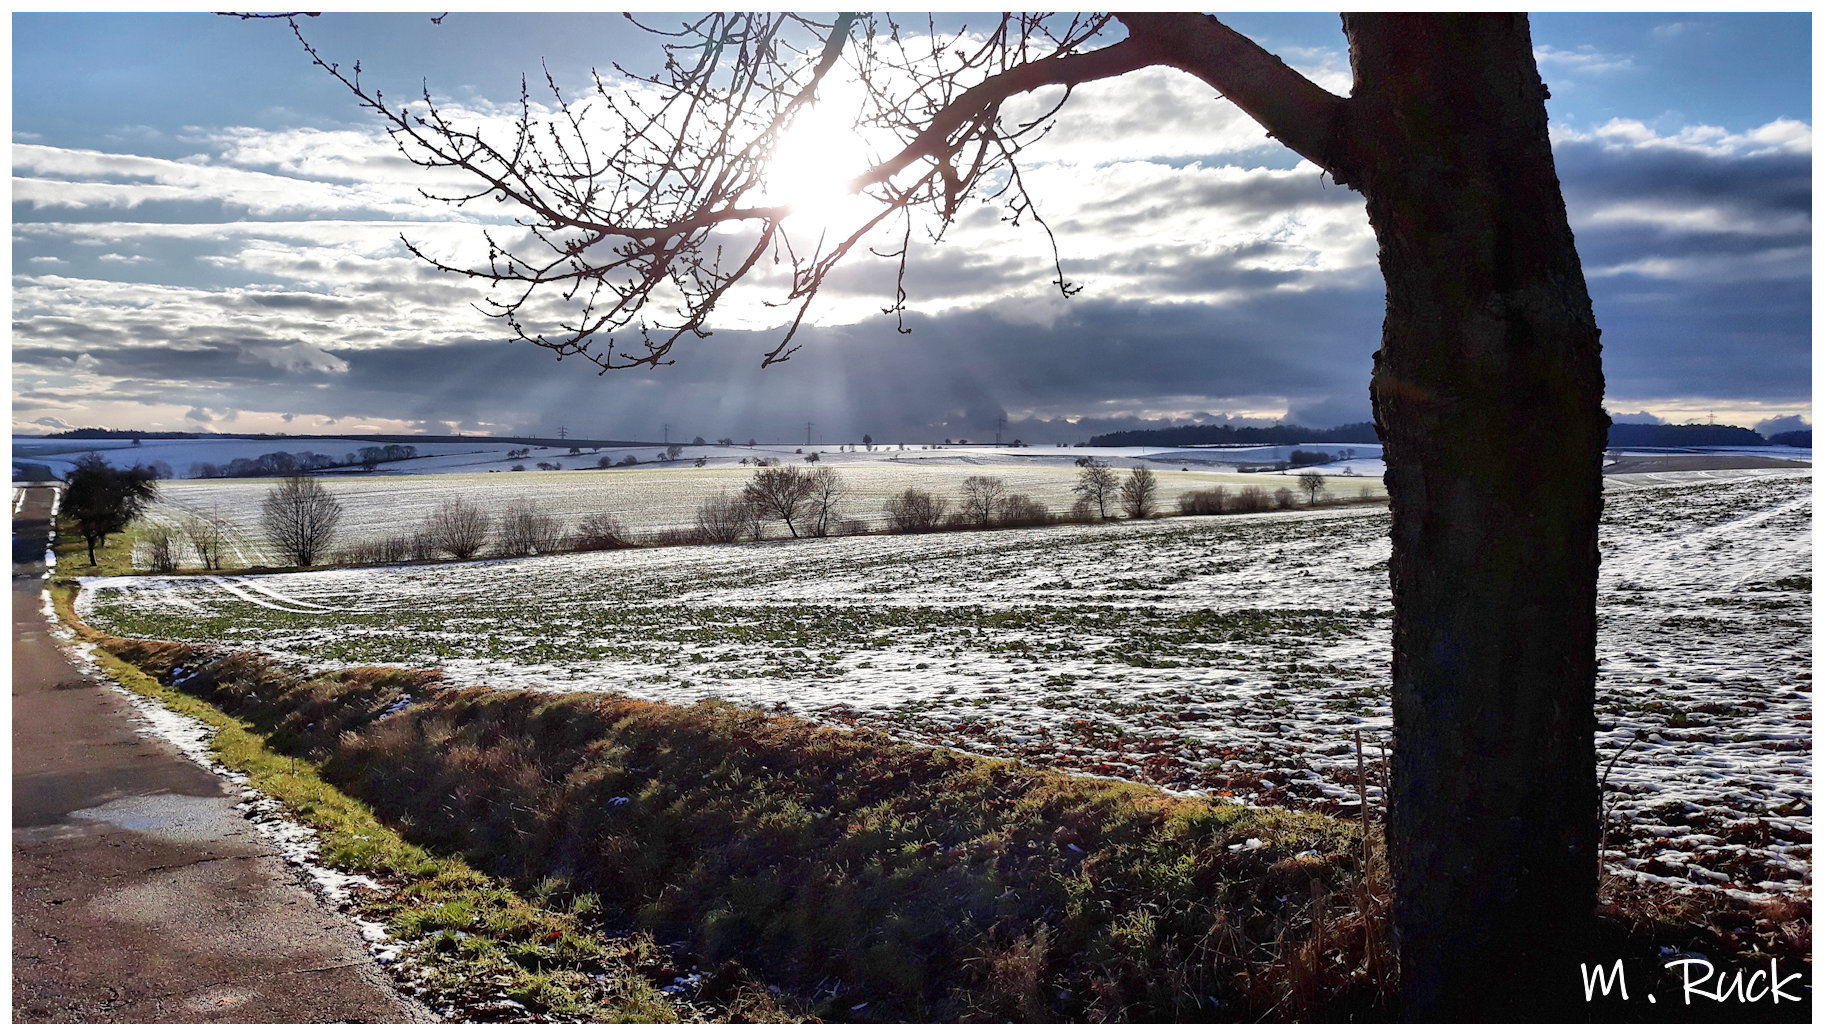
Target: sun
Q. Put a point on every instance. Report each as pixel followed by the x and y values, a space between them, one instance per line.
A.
pixel 814 163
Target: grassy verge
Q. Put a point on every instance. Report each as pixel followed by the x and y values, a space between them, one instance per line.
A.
pixel 114 558
pixel 474 939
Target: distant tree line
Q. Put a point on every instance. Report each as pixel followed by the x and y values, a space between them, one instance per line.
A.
pixel 282 464
pixel 1231 435
pixel 1621 436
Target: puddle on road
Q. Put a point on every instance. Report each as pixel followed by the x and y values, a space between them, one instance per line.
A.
pixel 177 818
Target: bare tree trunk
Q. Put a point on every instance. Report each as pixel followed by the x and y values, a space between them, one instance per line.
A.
pixel 1488 400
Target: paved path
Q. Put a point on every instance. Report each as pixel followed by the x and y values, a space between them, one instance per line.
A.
pixel 140 894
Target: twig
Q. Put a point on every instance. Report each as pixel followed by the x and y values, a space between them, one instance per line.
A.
pixel 1602 845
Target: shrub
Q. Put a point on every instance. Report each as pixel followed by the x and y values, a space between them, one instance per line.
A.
pixel 161 548
pixel 916 511
pixel 1204 501
pixel 722 518
pixel 1284 498
pixel 1250 498
pixel 1022 510
pixel 601 532
pixel 527 529
pixel 458 529
pixel 677 538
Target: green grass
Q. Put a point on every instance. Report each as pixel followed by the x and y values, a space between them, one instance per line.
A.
pixel 472 935
pixel 872 879
pixel 113 558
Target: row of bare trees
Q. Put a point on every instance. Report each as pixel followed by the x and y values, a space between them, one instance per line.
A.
pixel 461 530
pixel 300 517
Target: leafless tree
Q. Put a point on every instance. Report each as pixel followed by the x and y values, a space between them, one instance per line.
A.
pixel 779 493
pixel 527 528
pixel 723 518
pixel 1489 334
pixel 1284 498
pixel 827 493
pixel 459 529
pixel 161 548
pixel 1312 483
pixel 1097 484
pixel 982 496
pixel 1139 491
pixel 300 518
pixel 916 511
pixel 207 532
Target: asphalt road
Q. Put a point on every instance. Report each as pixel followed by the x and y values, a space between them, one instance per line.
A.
pixel 140 894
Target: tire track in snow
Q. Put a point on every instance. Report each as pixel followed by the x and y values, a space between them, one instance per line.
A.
pixel 250 591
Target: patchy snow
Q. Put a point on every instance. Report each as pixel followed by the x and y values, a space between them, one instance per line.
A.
pixel 1234 656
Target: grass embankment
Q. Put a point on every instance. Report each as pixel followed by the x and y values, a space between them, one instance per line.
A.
pixel 871 879
pixel 475 938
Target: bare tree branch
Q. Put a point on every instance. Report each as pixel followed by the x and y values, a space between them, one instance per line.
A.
pixel 637 209
pixel 1300 114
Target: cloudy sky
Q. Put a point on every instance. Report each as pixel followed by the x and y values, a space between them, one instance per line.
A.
pixel 206 236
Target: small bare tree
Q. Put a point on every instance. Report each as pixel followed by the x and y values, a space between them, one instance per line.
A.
pixel 208 536
pixel 300 518
pixel 1097 484
pixel 161 548
pixel 916 511
pixel 780 493
pixel 826 497
pixel 982 496
pixel 723 518
pixel 1312 483
pixel 458 529
pixel 1138 491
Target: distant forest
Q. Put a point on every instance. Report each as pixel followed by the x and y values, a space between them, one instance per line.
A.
pixel 1229 435
pixel 1621 436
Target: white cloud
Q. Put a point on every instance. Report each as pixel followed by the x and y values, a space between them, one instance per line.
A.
pixel 1675 217
pixel 1781 136
pixel 1583 59
pixel 1770 265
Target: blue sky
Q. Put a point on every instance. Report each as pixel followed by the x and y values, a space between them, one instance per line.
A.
pixel 205 236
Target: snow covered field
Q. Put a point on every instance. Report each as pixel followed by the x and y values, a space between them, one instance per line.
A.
pixel 1230 656
pixel 655 496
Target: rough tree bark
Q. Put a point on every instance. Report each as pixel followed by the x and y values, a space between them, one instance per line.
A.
pixel 1488 398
